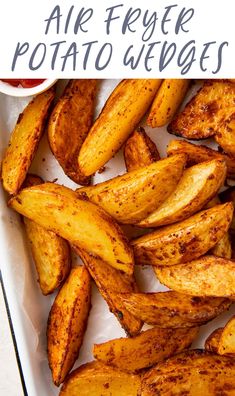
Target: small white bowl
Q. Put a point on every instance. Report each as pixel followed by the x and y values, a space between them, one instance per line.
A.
pixel 21 92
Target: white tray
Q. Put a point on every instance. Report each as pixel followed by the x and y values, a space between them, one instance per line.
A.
pixel 28 307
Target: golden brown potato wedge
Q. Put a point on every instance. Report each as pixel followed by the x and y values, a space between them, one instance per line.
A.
pixel 196 187
pixel 110 281
pixel 67 323
pixel 144 350
pixel 82 223
pixel 206 276
pixel 212 342
pixel 69 125
pixel 121 114
pixel 173 310
pixel 186 240
pixel 226 345
pixel 24 141
pixel 207 113
pixel 198 153
pixel 132 196
pixel 191 373
pixel 167 101
pixel 140 150
pixel 51 253
pixel 96 379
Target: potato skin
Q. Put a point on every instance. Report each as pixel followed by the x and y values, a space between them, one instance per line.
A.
pixel 206 276
pixel 82 223
pixel 121 114
pixel 212 342
pixel 168 98
pixel 191 373
pixel 131 197
pixel 110 281
pixel 140 150
pixel 172 309
pixel 67 323
pixel 94 378
pixel 69 125
pixel 195 189
pixel 144 350
pixel 24 141
pixel 186 240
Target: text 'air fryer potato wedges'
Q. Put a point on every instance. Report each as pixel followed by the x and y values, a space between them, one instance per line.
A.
pixel 121 114
pixel 24 141
pixel 69 124
pixel 59 209
pixel 133 196
pixel 173 310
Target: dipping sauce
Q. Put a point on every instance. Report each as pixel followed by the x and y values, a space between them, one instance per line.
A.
pixel 24 83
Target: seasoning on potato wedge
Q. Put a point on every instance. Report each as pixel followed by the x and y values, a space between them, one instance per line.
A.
pixel 67 323
pixel 96 379
pixel 167 101
pixel 69 125
pixel 120 116
pixel 146 349
pixel 82 223
pixel 140 150
pixel 196 187
pixel 110 281
pixel 186 240
pixel 212 342
pixel 191 373
pixel 24 141
pixel 133 196
pixel 173 310
pixel 51 253
pixel 206 276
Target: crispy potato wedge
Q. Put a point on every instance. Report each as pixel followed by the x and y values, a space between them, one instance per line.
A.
pixel 140 150
pixel 24 141
pixel 212 342
pixel 208 113
pixel 199 153
pixel 96 379
pixel 51 253
pixel 226 345
pixel 196 187
pixel 67 323
pixel 191 373
pixel 131 197
pixel 121 114
pixel 206 276
pixel 82 223
pixel 167 101
pixel 69 125
pixel 186 240
pixel 110 281
pixel 173 310
pixel 144 350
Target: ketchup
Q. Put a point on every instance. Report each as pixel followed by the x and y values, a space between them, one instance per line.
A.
pixel 24 83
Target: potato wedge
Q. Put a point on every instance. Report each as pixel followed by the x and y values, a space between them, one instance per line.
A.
pixel 225 136
pixel 24 141
pixel 212 342
pixel 69 125
pixel 198 153
pixel 207 113
pixel 206 276
pixel 50 252
pixel 67 323
pixel 196 187
pixel 96 379
pixel 144 350
pixel 226 344
pixel 191 373
pixel 186 240
pixel 167 101
pixel 121 114
pixel 173 310
pixel 140 150
pixel 82 223
pixel 110 281
pixel 131 197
